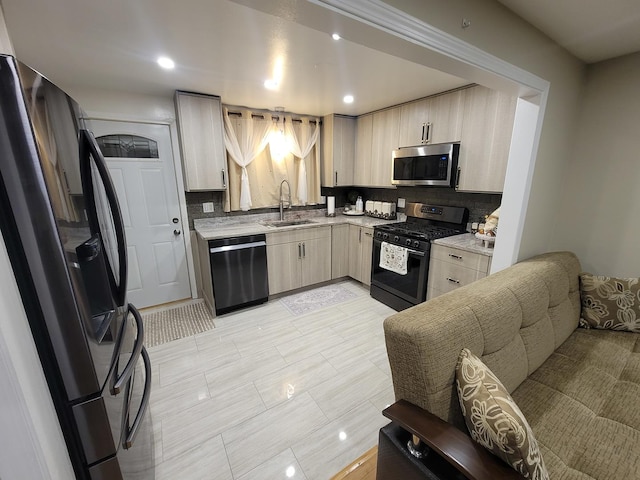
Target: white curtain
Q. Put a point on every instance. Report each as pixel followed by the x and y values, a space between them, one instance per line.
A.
pixel 245 145
pixel 301 144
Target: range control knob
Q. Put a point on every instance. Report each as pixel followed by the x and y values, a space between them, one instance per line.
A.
pixel 378 234
pixel 385 236
pixel 408 242
pixel 416 244
pixel 396 238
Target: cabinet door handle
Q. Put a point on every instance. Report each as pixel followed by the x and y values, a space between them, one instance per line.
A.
pixel 304 251
pixel 458 178
pixel 336 183
pixel 224 179
pixel 428 136
pixel 299 250
pixel 424 127
pixel 360 236
pixel 453 280
pixel 457 257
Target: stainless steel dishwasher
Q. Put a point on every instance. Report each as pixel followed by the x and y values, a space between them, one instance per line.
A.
pixel 239 272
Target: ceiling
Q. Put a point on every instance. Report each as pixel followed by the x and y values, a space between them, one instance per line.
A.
pixel 225 48
pixel 592 30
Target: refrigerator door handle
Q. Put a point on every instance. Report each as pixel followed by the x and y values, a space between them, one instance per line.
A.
pixel 89 148
pixel 130 434
pixel 121 380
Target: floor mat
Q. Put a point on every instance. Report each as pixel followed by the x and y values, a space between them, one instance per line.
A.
pixel 173 323
pixel 315 299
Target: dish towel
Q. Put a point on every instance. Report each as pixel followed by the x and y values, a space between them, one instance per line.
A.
pixel 393 258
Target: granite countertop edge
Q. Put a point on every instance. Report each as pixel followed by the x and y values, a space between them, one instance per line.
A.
pixel 209 229
pixel 467 242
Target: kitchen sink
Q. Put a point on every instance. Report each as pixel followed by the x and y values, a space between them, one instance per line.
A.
pixel 288 223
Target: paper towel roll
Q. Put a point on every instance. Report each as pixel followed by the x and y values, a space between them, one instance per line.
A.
pixel 331 205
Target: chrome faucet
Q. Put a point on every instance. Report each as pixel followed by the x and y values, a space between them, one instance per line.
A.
pixel 282 199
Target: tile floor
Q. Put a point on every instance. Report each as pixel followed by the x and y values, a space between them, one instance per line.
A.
pixel 269 395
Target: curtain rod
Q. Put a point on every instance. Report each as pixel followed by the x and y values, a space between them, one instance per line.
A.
pixel 273 117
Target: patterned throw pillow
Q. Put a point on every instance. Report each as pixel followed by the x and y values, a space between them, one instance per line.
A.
pixel 494 420
pixel 610 303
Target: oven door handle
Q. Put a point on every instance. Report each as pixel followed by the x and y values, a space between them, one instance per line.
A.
pixel 410 250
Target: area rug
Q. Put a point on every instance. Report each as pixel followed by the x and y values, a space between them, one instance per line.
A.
pixel 315 299
pixel 173 323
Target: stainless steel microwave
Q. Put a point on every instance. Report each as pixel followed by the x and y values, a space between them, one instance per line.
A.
pixel 431 165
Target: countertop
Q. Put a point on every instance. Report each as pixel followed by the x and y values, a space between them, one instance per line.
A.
pixel 211 228
pixel 467 242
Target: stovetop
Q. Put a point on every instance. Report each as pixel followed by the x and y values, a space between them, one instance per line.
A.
pixel 424 223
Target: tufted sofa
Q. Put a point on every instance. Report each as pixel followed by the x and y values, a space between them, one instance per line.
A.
pixel 579 389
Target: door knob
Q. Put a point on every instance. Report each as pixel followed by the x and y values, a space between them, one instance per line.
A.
pixel 176 232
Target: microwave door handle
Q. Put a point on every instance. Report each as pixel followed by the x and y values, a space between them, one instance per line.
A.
pixel 88 149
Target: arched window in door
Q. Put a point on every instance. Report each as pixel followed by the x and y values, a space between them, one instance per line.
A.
pixel 127 146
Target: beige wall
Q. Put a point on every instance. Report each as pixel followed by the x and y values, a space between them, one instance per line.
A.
pixel 499 32
pixel 599 216
pixel 5 42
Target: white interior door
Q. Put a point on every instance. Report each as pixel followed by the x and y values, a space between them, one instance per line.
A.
pixel 140 161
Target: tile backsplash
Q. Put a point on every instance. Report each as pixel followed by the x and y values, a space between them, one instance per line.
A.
pixel 479 204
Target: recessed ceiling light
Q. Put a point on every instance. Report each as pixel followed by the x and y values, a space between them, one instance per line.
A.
pixel 166 63
pixel 335 36
pixel 271 84
pixel 348 99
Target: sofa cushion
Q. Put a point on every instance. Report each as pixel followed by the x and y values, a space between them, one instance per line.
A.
pixel 610 303
pixel 493 418
pixel 582 405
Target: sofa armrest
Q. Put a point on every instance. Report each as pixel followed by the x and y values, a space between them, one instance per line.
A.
pixel 457 448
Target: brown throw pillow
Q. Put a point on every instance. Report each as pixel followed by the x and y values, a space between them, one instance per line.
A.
pixel 494 420
pixel 610 303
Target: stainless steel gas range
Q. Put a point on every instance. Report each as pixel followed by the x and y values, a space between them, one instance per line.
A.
pixel 400 279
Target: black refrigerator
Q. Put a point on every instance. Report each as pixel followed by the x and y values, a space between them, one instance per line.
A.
pixel 61 222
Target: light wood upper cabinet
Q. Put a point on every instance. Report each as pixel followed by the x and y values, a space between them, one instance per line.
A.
pixel 200 128
pixel 385 139
pixel 445 115
pixel 364 138
pixel 432 120
pixel 338 150
pixel 414 117
pixel 486 138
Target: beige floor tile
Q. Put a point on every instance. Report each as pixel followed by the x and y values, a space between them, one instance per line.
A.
pixel 226 409
pixel 172 350
pixel 198 362
pixel 349 388
pixel 179 396
pixel 294 379
pixel 244 369
pixel 207 460
pixel 283 465
pixel 331 448
pixel 308 345
pixel 266 435
pixel 212 392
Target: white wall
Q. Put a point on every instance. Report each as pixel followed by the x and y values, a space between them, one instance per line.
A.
pixel 600 215
pixel 31 442
pixel 499 32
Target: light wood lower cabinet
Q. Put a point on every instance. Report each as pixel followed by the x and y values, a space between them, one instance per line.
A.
pixel 298 258
pixel 339 251
pixel 451 268
pixel 360 252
